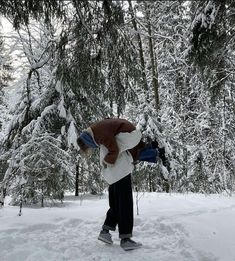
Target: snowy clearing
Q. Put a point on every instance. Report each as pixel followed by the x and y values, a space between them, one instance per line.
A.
pixel 181 227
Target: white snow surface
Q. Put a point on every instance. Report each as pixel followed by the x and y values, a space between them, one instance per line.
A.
pixel 181 227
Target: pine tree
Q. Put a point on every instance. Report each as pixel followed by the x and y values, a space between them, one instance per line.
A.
pixel 37 141
pixel 167 66
pixel 209 53
pixel 148 116
pixel 100 65
pixel 209 39
pixel 22 11
pixel 5 79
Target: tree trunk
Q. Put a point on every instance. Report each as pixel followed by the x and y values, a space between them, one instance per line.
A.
pixel 77 181
pixel 42 199
pixel 2 196
pixel 150 183
pixel 141 52
pixel 153 60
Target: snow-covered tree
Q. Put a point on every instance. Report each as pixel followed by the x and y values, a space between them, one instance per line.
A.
pixel 167 66
pixel 36 144
pixel 211 161
pixel 5 79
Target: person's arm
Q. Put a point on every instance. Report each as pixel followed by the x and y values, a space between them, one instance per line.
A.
pixel 113 150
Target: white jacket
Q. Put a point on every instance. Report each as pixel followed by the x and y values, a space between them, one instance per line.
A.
pixel 124 163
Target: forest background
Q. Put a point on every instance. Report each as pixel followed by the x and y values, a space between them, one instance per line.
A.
pixel 166 66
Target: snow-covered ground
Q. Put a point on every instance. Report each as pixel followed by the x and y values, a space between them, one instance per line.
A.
pixel 176 227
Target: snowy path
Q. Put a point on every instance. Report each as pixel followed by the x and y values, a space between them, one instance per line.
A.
pixel 171 227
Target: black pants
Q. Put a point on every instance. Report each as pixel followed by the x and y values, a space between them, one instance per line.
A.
pixel 121 208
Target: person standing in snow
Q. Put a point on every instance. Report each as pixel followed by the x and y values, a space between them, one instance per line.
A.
pixel 120 145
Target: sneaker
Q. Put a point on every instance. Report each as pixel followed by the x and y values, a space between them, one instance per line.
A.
pixel 128 244
pixel 105 237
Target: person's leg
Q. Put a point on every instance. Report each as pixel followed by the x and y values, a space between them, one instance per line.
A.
pixel 125 214
pixel 110 222
pixel 124 203
pixel 111 216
